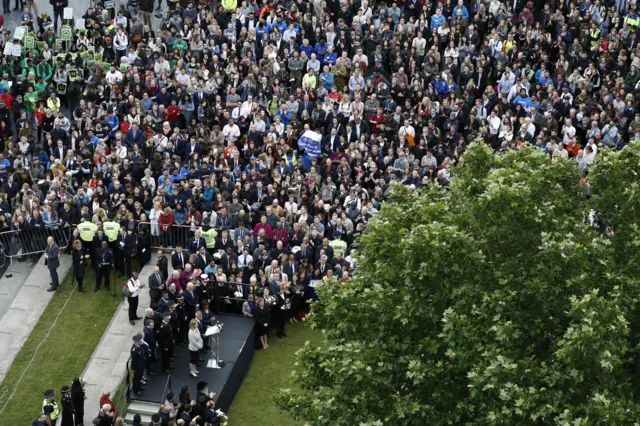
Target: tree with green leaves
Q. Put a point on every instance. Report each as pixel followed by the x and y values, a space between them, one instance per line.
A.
pixel 490 302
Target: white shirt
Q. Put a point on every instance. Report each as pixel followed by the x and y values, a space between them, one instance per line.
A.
pixel 134 287
pixel 113 77
pixel 494 124
pixel 231 132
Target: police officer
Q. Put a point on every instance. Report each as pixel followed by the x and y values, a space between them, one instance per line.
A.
pixel 138 363
pixel 67 406
pixel 175 323
pixel 104 259
pixel 338 245
pixel 183 321
pixel 165 341
pixel 209 234
pixel 111 229
pixel 50 407
pixel 87 231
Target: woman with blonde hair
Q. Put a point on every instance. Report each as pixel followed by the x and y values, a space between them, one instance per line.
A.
pixel 195 344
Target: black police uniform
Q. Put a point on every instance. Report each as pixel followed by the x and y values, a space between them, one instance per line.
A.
pixel 165 341
pixel 138 364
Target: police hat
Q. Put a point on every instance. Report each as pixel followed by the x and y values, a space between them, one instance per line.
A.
pixel 136 338
pixel 48 393
pixel 167 315
pixel 204 276
pixel 180 297
pixel 65 389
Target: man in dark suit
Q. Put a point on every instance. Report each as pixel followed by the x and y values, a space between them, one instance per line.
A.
pixel 195 243
pixel 104 260
pixel 291 267
pixel 190 302
pixel 163 264
pixel 52 260
pixel 323 266
pixel 203 258
pixel 156 285
pixel 224 242
pixel 126 244
pixel 179 258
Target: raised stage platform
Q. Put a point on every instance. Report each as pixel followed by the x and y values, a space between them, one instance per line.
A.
pixel 237 346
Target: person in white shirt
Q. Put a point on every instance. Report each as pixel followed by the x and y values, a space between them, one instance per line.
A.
pixel 231 131
pixel 568 131
pixel 113 76
pixel 420 44
pixel 120 44
pixel 133 288
pixel 121 151
pixel 247 107
pixel 195 344
pixel 494 123
pixel 366 10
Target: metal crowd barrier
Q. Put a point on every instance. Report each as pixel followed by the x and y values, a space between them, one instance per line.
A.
pixel 169 239
pixel 18 244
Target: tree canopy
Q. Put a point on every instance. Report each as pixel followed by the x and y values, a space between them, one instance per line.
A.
pixel 490 302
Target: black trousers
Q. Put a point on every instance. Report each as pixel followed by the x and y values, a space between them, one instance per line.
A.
pixel 54 277
pixel 125 263
pixel 103 273
pixel 137 377
pixel 133 307
pixel 167 353
pixel 280 320
pixel 80 281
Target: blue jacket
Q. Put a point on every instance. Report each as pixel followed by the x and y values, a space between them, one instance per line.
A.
pixel 133 138
pixel 437 21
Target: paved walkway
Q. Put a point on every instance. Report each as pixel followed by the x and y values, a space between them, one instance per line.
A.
pixel 26 308
pixel 9 287
pixel 106 368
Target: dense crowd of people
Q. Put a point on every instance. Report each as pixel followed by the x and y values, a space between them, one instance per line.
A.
pixel 182 130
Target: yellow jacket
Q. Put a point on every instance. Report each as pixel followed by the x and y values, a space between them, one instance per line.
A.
pixel 230 5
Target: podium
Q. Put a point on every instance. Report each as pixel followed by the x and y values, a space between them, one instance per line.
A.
pixel 213 333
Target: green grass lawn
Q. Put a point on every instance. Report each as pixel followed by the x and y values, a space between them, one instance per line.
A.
pixel 64 354
pixel 254 404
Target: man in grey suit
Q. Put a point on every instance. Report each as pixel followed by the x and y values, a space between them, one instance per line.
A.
pixel 52 260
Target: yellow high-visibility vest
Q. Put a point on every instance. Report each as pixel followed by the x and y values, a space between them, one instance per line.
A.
pixel 111 230
pixel 87 231
pixel 209 237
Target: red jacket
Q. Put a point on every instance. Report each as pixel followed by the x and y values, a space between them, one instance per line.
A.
pixel 166 220
pixel 280 235
pixel 259 226
pixel 173 113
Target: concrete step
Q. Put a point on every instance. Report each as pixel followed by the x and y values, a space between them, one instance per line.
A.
pixel 145 418
pixel 143 407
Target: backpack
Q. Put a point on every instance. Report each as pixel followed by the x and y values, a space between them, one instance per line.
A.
pixel 125 289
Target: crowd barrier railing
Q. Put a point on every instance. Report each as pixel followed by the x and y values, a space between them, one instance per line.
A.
pixel 19 243
pixel 170 237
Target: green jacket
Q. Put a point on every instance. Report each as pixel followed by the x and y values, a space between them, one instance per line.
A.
pixel 44 70
pixel 26 70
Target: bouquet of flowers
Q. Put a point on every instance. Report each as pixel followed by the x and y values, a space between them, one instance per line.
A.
pixel 238 295
pixel 222 416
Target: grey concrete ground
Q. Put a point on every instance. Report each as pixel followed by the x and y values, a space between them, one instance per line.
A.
pixel 106 368
pixel 11 281
pixel 26 307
